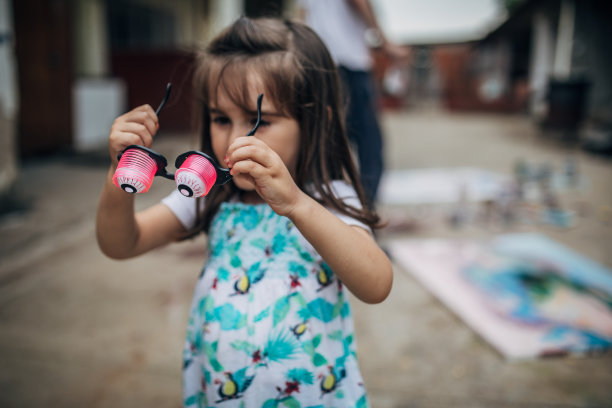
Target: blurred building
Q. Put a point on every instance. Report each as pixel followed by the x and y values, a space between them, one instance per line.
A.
pixel 69 67
pixel 79 63
pixel 549 58
pixel 553 53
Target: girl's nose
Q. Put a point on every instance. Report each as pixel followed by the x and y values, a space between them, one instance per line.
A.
pixel 239 130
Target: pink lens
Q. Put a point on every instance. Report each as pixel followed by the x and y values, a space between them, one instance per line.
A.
pixel 196 176
pixel 135 171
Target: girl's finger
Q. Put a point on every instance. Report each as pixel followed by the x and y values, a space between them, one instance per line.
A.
pixel 249 167
pixel 258 154
pixel 122 140
pixel 151 126
pixel 244 141
pixel 140 130
pixel 143 114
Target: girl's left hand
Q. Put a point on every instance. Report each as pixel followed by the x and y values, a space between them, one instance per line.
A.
pixel 251 158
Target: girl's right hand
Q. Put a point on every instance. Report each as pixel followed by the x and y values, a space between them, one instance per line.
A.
pixel 137 127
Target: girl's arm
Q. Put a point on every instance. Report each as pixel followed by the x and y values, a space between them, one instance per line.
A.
pixel 350 251
pixel 120 232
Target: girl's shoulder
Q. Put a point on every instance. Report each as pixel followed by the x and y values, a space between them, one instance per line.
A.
pixel 346 193
pixel 184 208
pixel 342 190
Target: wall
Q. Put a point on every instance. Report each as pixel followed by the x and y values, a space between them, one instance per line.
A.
pixel 592 56
pixel 8 100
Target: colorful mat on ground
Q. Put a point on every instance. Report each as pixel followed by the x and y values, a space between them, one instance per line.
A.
pixel 525 294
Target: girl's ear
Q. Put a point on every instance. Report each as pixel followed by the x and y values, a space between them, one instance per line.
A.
pixel 330 114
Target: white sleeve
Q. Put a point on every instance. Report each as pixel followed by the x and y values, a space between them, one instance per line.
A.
pixel 345 192
pixel 184 208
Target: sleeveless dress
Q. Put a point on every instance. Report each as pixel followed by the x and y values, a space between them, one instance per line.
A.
pixel 270 324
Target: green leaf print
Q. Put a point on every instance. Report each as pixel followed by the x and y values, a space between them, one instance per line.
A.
pixel 298 268
pixel 235 261
pixel 282 346
pixel 248 217
pixel 318 360
pixel 229 317
pixel 243 345
pixel 299 298
pixel 218 248
pixel 262 315
pixel 348 340
pixel 196 339
pixel 335 335
pixel 345 311
pixel 259 243
pixel 255 273
pixel 223 274
pixel 338 306
pixel 291 402
pixel 281 308
pixel 254 269
pixel 192 400
pixel 210 349
pixel 304 314
pixel 278 244
pixel 308 348
pixel 206 304
pixel 242 380
pixel 236 247
pixel 207 376
pixel 271 403
pixel 303 253
pixel 362 402
pixel 300 375
pixel 322 310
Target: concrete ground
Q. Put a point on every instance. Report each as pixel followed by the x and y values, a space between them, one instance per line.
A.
pixel 78 329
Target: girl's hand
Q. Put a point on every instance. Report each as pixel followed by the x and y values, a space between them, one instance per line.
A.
pixel 138 126
pixel 251 158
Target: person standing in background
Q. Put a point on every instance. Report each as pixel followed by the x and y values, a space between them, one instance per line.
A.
pixel 350 30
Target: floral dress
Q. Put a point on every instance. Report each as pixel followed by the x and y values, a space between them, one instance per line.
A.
pixel 270 323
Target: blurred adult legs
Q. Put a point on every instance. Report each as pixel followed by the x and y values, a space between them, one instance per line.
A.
pixel 363 128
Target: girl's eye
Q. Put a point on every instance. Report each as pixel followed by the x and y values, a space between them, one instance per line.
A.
pixel 220 120
pixel 261 123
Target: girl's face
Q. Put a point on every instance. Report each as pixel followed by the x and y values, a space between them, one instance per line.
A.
pixel 229 121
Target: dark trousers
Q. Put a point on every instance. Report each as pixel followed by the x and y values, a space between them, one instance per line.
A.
pixel 363 129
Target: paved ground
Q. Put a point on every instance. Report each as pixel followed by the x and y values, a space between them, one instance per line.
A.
pixel 78 329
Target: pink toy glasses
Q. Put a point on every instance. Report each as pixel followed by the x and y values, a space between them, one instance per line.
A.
pixel 197 172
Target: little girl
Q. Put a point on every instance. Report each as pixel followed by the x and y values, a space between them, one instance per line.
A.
pixel 270 322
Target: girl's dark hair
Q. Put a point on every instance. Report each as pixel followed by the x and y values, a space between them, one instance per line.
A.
pixel 300 77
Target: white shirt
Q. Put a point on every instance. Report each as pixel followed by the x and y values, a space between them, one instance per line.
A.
pixel 342 30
